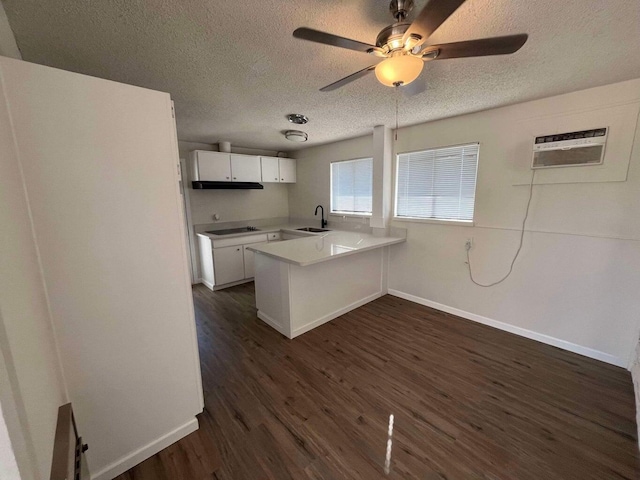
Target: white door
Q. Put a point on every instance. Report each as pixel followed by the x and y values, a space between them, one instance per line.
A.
pixel 214 166
pixel 103 195
pixel 287 170
pixel 245 168
pixel 270 170
pixel 228 264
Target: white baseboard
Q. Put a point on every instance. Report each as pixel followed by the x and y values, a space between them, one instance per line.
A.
pixel 335 314
pixel 270 321
pixel 208 284
pixel 134 458
pixel 523 332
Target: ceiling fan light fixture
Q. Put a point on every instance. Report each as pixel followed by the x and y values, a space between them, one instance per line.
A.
pixel 296 136
pixel 399 70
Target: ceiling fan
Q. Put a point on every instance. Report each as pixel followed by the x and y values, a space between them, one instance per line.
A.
pixel 402 44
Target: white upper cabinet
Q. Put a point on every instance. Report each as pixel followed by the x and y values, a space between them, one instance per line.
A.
pixel 245 168
pixel 287 170
pixel 210 166
pixel 232 167
pixel 270 169
pixel 278 170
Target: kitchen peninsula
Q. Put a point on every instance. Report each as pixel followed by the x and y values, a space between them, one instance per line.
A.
pixel 303 283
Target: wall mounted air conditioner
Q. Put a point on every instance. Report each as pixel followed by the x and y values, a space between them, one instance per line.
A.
pixel 571 149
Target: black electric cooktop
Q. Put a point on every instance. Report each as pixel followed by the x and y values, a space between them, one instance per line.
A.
pixel 231 231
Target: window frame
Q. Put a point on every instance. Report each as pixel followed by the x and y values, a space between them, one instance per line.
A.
pixel 438 221
pixel 348 214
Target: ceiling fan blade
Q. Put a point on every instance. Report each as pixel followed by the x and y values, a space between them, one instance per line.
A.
pixel 330 39
pixel 431 17
pixel 343 81
pixel 478 48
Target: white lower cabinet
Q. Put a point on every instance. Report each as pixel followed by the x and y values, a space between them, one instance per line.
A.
pixel 228 264
pixel 226 261
pixel 249 270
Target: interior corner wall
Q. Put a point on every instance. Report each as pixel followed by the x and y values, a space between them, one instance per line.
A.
pixel 313 165
pixel 575 283
pixel 31 375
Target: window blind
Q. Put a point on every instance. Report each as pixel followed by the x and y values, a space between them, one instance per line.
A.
pixel 351 186
pixel 439 183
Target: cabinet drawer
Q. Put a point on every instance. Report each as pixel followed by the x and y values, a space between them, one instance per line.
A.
pixel 273 236
pixel 228 242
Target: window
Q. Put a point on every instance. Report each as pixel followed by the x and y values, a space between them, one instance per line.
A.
pixel 439 183
pixel 351 185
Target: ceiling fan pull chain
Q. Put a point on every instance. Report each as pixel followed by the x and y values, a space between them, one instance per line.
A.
pixel 397 88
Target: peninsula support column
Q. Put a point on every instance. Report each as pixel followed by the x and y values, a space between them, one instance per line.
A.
pixel 382 176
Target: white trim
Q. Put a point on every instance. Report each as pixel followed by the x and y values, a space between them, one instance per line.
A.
pixel 134 458
pixel 438 221
pixel 271 322
pixel 335 314
pixel 523 332
pixel 208 284
pixel 350 214
pixel 231 284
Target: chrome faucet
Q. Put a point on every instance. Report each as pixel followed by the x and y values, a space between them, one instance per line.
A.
pixel 324 222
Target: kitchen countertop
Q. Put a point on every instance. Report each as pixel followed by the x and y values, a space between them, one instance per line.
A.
pixel 324 246
pixel 269 229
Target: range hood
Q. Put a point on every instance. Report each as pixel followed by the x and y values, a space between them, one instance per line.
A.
pixel 205 185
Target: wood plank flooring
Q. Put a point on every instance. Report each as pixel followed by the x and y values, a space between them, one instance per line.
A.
pixel 468 401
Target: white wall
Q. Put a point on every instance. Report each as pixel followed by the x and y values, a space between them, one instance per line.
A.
pixel 8 46
pixel 313 175
pixel 635 375
pixel 8 462
pixel 575 284
pixel 577 277
pixel 98 161
pixel 236 205
pixel 31 380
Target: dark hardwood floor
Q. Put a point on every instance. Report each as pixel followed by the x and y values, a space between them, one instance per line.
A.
pixel 468 401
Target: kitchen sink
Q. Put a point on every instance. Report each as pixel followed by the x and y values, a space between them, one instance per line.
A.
pixel 313 229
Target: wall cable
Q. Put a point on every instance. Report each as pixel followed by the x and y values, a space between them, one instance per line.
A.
pixel 524 222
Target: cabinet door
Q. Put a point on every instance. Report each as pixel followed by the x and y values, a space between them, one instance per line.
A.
pixel 270 170
pixel 228 264
pixel 249 270
pixel 245 168
pixel 213 166
pixel 287 170
pixel 206 261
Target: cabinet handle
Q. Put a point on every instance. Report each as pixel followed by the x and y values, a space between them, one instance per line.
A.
pixel 237 249
pixel 282 179
pixel 276 178
pixel 227 178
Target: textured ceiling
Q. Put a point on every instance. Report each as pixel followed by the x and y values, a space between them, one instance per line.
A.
pixel 234 70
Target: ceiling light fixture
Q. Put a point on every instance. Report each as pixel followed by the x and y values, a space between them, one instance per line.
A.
pixel 398 70
pixel 296 136
pixel 297 118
